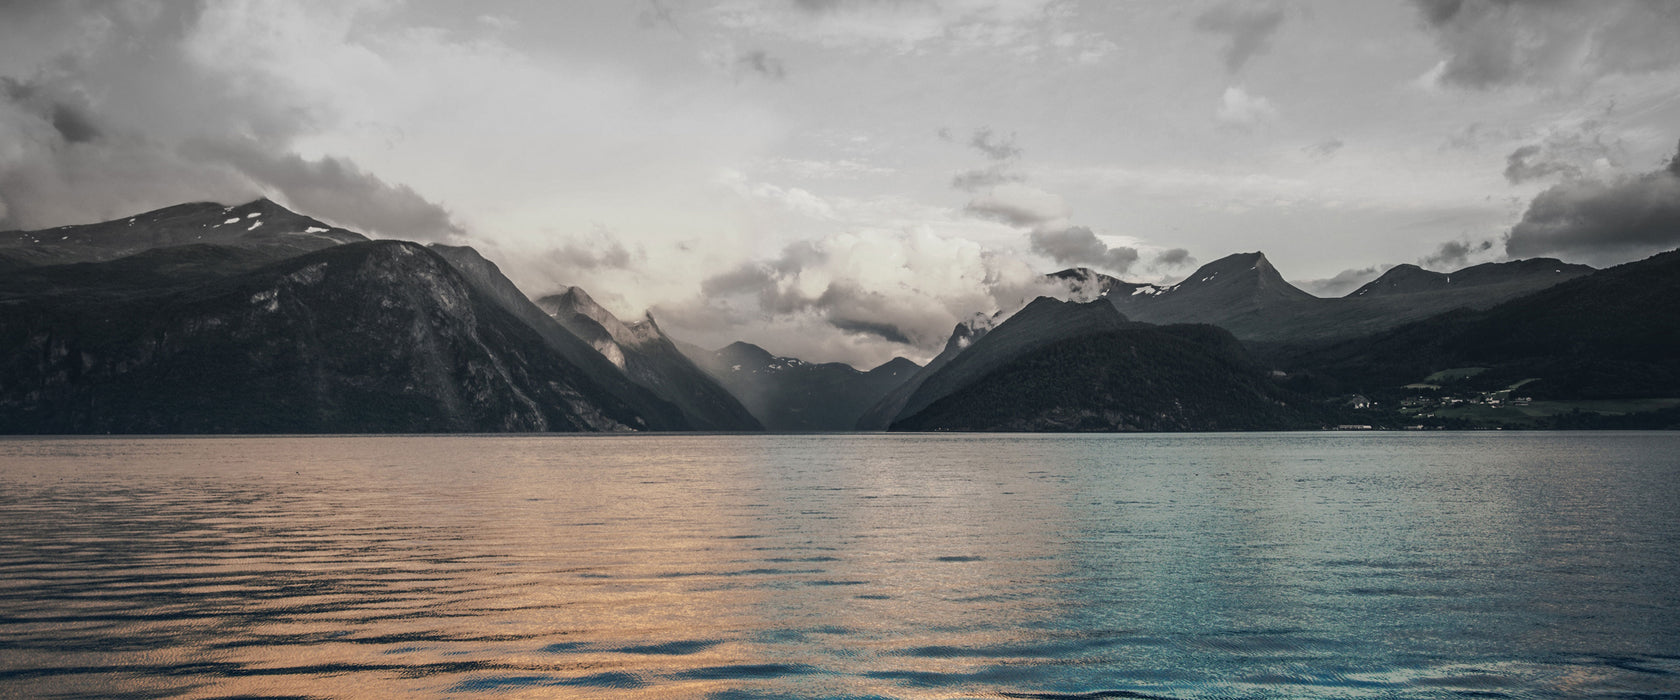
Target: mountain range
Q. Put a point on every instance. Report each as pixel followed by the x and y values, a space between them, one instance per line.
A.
pixel 1245 294
pixel 205 318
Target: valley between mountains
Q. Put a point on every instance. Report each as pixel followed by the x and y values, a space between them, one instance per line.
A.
pixel 210 319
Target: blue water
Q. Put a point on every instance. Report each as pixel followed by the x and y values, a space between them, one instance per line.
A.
pixel 1431 565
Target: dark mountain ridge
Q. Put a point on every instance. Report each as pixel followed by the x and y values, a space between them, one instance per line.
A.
pixel 790 395
pixel 1612 334
pixel 1073 366
pixel 260 226
pixel 1246 295
pixel 380 336
pixel 881 414
pixel 1042 322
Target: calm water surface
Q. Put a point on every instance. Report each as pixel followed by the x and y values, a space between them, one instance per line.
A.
pixel 1195 566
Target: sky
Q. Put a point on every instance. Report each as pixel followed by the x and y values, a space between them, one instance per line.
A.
pixel 844 180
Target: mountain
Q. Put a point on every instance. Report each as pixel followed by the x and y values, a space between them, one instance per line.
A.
pixel 649 358
pixel 381 336
pixel 262 227
pixel 790 395
pixel 487 279
pixel 1530 275
pixel 1069 365
pixel 966 333
pixel 1612 334
pixel 1041 322
pixel 1138 377
pixel 1245 295
pixel 1241 293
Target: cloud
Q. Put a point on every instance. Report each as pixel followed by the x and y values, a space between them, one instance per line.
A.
pixel 1454 255
pixel 110 108
pixel 1246 26
pixel 656 14
pixel 1602 221
pixel 601 250
pixel 1491 44
pixel 1020 206
pixel 1343 282
pixel 1077 245
pixel 1172 259
pixel 995 147
pixel 1324 149
pixel 1003 153
pixel 1567 153
pixel 334 189
pixel 762 63
pixel 1239 109
pixel 982 178
pixel 839 296
pixel 1025 29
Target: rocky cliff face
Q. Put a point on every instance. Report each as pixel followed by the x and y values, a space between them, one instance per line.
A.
pixel 650 359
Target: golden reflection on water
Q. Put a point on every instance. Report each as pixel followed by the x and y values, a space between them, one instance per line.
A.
pixel 808 566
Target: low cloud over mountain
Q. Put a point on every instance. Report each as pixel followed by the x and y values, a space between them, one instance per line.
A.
pixel 126 109
pixel 1602 220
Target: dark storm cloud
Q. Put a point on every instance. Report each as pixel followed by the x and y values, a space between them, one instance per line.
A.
pixel 1453 255
pixel 1495 43
pixel 1246 26
pixel 164 127
pixel 1172 259
pixel 995 147
pixel 1602 221
pixel 1343 282
pixel 69 114
pixel 884 331
pixel 1077 245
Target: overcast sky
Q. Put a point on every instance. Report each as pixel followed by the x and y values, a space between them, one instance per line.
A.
pixel 846 179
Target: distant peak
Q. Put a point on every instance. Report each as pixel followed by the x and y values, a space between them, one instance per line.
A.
pixel 1076 273
pixel 741 352
pixel 897 364
pixel 576 295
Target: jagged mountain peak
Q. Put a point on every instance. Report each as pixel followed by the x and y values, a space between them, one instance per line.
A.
pixel 574 301
pixel 969 330
pixel 1241 272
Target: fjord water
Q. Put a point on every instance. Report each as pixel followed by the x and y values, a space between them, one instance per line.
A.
pixel 1181 566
